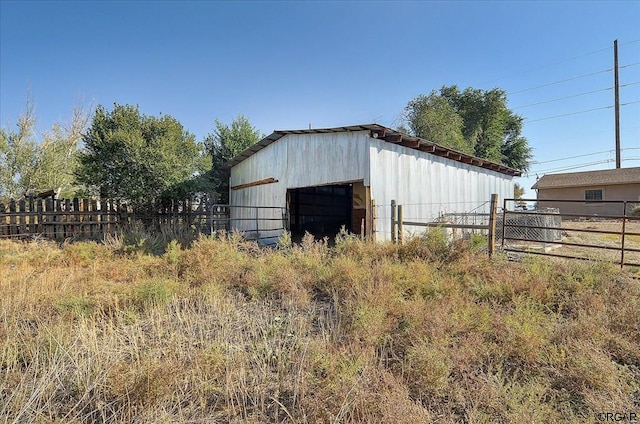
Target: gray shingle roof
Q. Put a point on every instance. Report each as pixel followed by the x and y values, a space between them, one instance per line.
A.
pixel 590 178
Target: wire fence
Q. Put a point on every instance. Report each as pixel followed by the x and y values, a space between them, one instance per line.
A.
pixel 417 217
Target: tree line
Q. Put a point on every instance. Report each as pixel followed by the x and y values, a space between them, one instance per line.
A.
pixel 121 153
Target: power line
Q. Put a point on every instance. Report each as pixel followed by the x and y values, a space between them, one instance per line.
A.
pixel 582 156
pixel 561 81
pixel 574 95
pixel 574 157
pixel 532 69
pixel 580 165
pixel 579 112
pixel 563 98
pixel 570 167
pixel 561 61
pixel 567 114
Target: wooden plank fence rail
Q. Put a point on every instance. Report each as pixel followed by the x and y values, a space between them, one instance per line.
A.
pixel 57 219
pixel 61 219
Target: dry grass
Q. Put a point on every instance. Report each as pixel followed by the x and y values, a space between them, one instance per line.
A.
pixel 611 240
pixel 227 332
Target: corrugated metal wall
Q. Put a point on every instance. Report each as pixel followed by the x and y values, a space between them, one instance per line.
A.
pixel 428 185
pixel 297 160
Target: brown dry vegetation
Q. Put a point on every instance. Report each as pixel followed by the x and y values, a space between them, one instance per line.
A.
pixel 611 240
pixel 227 332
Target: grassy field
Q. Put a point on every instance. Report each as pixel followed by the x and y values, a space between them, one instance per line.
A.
pixel 226 332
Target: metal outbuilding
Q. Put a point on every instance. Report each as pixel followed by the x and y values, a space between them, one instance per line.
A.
pixel 327 178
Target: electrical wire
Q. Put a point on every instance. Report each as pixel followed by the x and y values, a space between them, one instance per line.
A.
pixel 561 81
pixel 578 166
pixel 576 113
pixel 559 62
pixel 563 98
pixel 570 167
pixel 575 95
pixel 579 156
pixel 567 114
pixel 588 154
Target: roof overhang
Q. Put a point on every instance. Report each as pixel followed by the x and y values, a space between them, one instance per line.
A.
pixel 386 134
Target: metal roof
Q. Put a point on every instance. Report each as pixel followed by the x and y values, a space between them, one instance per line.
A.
pixel 589 178
pixel 386 134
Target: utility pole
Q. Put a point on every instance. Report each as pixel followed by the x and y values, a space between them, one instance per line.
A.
pixel 616 85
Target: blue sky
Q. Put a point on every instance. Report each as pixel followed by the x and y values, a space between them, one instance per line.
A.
pixel 286 65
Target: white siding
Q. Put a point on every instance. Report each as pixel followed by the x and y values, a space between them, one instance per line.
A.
pixel 297 160
pixel 428 185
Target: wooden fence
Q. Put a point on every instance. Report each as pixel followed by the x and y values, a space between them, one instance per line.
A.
pixel 61 219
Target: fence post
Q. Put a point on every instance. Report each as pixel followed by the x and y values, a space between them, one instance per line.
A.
pixel 210 216
pixel 40 215
pixel 257 223
pixel 373 219
pixel 12 217
pixel 624 227
pixel 22 219
pixel 394 212
pixel 3 219
pixel 491 245
pixel 32 216
pixel 400 226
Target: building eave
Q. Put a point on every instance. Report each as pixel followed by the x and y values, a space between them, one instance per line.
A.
pixel 388 135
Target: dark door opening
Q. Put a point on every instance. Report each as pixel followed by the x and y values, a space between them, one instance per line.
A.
pixel 321 210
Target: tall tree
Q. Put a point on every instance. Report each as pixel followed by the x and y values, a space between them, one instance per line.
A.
pixel 17 156
pixel 57 158
pixel 137 158
pixel 489 129
pixel 28 165
pixel 434 119
pixel 225 143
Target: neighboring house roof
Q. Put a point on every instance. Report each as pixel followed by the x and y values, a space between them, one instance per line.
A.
pixel 388 135
pixel 590 178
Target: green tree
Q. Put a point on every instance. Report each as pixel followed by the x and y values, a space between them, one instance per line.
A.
pixel 137 158
pixel 489 129
pixel 434 119
pixel 224 144
pixel 57 156
pixel 29 166
pixel 518 191
pixel 17 156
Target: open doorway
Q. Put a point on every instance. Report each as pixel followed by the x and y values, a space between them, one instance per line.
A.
pixel 320 210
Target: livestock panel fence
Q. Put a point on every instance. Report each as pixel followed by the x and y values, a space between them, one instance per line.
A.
pixel 471 218
pixel 573 229
pixel 61 219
